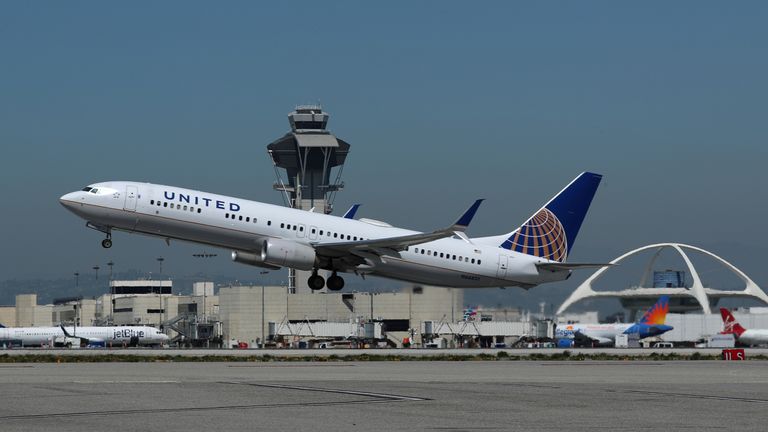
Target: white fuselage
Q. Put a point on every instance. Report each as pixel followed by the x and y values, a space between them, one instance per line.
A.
pixel 754 337
pixel 603 332
pixel 242 225
pixel 115 336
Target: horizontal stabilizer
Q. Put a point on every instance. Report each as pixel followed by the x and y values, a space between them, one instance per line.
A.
pixel 571 266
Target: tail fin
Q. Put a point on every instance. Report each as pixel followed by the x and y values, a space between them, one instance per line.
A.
pixel 657 314
pixel 551 231
pixel 730 326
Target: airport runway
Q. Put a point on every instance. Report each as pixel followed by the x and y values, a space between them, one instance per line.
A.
pixel 410 395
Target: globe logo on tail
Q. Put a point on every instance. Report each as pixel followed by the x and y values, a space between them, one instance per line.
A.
pixel 542 236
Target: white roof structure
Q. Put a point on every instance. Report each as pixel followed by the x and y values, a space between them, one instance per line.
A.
pixel 697 289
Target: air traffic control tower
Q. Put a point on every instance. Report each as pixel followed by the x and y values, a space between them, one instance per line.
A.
pixel 311 157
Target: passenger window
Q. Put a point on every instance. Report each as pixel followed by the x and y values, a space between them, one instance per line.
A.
pixel 192 209
pixel 241 217
pixel 454 257
pixel 321 232
pixel 473 260
pixel 199 210
pixel 269 223
pixel 185 208
pixel 349 237
pixel 158 203
pixel 282 225
pixel 313 230
pixel 422 251
pixel 152 202
pixel 294 227
pixel 226 215
pixel 354 238
pixel 461 258
pixel 478 261
pixel 441 254
pixel 301 229
pixel 335 235
pixel 165 204
pixel 248 219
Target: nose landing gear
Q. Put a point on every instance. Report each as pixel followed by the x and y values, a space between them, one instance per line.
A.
pixel 107 242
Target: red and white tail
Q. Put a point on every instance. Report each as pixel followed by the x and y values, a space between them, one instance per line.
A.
pixel 730 326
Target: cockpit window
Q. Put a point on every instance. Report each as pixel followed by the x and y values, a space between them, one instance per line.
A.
pixel 87 189
pixel 94 190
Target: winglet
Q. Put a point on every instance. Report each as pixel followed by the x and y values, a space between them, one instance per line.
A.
pixel 466 218
pixel 350 214
pixel 66 333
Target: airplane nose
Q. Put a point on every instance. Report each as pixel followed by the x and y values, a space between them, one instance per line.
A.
pixel 68 200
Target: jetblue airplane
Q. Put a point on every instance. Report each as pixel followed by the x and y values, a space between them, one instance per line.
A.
pixel 272 237
pixel 114 336
pixel 651 324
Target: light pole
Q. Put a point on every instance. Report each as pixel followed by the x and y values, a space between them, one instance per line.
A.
pixel 111 292
pixel 77 279
pixel 206 255
pixel 96 268
pixel 263 336
pixel 160 293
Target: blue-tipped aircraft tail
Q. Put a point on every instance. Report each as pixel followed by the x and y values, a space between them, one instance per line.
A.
pixel 551 231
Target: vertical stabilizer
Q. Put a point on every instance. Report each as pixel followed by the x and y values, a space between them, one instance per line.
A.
pixel 551 231
pixel 730 325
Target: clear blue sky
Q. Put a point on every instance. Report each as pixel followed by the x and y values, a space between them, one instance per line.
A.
pixel 443 102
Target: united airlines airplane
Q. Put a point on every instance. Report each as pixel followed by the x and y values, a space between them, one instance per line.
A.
pixel 115 336
pixel 270 236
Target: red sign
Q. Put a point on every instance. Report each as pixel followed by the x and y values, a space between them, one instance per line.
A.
pixel 734 354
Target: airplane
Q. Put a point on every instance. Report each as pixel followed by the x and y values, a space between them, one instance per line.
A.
pixel 651 324
pixel 112 335
pixel 270 236
pixel 743 336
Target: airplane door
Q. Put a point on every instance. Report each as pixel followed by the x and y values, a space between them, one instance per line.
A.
pixel 130 198
pixel 300 231
pixel 313 233
pixel 501 273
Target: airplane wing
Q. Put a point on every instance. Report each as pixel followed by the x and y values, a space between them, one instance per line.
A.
pixel 397 243
pixel 571 266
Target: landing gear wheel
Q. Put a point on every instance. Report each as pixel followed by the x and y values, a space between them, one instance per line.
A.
pixel 316 282
pixel 335 282
pixel 106 243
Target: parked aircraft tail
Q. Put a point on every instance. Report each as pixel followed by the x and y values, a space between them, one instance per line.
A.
pixel 657 314
pixel 730 325
pixel 551 231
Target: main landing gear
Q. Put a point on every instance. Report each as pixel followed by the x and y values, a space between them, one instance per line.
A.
pixel 316 282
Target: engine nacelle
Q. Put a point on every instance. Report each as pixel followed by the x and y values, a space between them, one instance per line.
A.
pixel 286 253
pixel 251 259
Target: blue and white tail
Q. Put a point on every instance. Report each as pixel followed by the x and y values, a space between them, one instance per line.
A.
pixel 551 231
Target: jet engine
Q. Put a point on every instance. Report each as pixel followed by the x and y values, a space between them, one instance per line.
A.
pixel 251 259
pixel 285 253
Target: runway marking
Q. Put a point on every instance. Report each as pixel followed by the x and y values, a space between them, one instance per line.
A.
pixel 384 396
pixel 127 382
pixel 372 398
pixel 690 395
